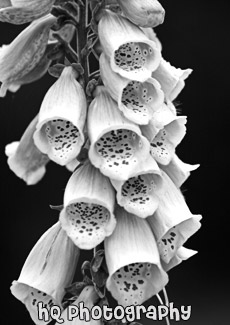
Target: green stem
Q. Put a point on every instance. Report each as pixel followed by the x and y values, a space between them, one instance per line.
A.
pixel 81 42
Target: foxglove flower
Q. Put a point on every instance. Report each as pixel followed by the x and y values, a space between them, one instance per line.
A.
pixel 181 255
pixel 23 11
pixel 139 194
pixel 117 145
pixel 150 33
pixel 48 270
pixel 164 143
pixel 25 160
pixel 172 79
pixel 129 51
pixel 35 74
pixel 62 117
pixel 172 223
pixel 24 53
pixel 89 200
pixel 178 171
pixel 137 100
pixel 135 272
pixel 89 298
pixel 163 116
pixel 148 13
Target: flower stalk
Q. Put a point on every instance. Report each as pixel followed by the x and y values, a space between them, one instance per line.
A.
pixel 109 118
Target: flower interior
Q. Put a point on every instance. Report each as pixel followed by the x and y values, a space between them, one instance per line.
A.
pixel 118 147
pixel 34 297
pixel 133 56
pixel 131 282
pixel 138 190
pixel 62 136
pixel 168 244
pixel 138 97
pixel 87 222
pixel 161 149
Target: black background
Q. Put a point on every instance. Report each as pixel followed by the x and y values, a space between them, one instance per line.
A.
pixel 193 35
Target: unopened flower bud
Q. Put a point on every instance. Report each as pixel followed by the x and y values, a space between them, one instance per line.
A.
pixel 147 13
pixel 23 11
pixel 24 53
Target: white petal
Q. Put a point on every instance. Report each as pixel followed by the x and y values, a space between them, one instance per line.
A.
pixel 62 117
pixel 139 194
pixel 48 270
pixel 182 254
pixel 117 145
pixel 172 223
pixel 89 200
pixel 171 78
pixel 137 100
pixel 178 171
pixel 165 142
pixel 24 158
pixel 120 39
pixel 135 272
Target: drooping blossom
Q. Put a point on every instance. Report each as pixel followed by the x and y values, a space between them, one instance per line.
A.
pixel 48 270
pixel 148 13
pixel 24 158
pixel 59 132
pixel 133 261
pixel 129 51
pixel 87 216
pixel 117 146
pixel 22 56
pixel 137 100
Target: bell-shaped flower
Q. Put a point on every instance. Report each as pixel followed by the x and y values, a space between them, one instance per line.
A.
pixel 117 145
pixel 150 33
pixel 148 13
pixel 23 11
pixel 172 223
pixel 178 171
pixel 87 216
pixel 163 145
pixel 137 100
pixel 89 298
pixel 163 116
pixel 48 270
pixel 139 194
pixel 132 258
pixel 62 117
pixel 130 52
pixel 35 74
pixel 181 255
pixel 172 79
pixel 24 53
pixel 24 158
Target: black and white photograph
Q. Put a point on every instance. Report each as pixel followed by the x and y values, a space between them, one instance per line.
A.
pixel 114 162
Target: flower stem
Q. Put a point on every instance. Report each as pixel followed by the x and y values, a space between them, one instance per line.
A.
pixel 162 303
pixel 81 42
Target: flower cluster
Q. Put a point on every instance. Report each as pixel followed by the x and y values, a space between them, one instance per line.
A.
pixel 116 130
